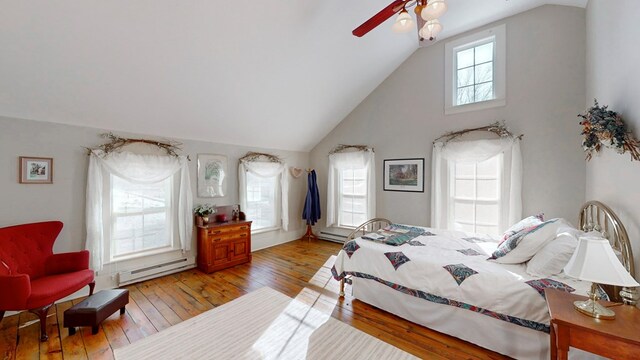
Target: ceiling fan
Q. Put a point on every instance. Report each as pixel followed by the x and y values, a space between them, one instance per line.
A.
pixel 427 14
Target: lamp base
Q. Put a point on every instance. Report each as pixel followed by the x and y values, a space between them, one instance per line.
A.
pixel 594 309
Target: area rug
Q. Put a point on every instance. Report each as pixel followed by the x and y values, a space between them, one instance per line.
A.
pixel 263 324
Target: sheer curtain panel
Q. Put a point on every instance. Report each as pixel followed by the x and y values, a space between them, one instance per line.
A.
pixel 266 169
pixel 137 169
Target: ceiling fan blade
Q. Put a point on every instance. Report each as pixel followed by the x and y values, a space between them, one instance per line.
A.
pixel 378 18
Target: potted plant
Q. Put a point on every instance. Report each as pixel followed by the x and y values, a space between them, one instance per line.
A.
pixel 203 211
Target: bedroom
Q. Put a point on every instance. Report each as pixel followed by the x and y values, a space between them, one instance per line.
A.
pixel 559 58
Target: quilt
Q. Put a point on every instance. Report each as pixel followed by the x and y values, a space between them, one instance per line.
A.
pixel 452 268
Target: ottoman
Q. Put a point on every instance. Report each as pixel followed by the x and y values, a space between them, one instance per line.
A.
pixel 94 309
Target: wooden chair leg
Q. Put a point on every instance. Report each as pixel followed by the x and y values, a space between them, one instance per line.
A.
pixel 92 285
pixel 42 314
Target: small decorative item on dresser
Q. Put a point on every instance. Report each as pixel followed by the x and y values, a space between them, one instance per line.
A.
pixel 203 211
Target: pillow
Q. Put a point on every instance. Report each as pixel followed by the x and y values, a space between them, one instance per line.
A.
pixel 553 257
pixel 521 246
pixel 522 224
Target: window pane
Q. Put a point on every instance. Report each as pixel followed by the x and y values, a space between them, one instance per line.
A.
pixel 465 58
pixel 487 189
pixel 465 77
pixel 463 227
pixel 489 167
pixel 484 72
pixel 465 95
pixel 139 216
pixel 464 189
pixel 487 214
pixel 465 169
pixel 484 53
pixel 491 230
pixel 484 92
pixel 261 201
pixel 463 211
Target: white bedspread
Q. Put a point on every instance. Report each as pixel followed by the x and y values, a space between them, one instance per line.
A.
pixel 451 268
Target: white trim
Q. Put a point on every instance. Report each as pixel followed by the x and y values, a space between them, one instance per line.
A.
pixel 498 34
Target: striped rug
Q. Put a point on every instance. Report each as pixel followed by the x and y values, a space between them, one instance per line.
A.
pixel 263 324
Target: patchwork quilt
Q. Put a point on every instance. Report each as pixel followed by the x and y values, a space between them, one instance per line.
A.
pixel 452 268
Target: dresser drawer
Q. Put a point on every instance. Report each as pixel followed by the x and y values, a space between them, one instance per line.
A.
pixel 228 229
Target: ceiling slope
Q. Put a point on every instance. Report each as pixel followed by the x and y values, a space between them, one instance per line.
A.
pixel 269 74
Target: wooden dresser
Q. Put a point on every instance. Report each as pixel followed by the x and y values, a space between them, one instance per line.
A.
pixel 222 245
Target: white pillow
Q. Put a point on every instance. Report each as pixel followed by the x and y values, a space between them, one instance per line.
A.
pixel 524 223
pixel 523 246
pixel 553 257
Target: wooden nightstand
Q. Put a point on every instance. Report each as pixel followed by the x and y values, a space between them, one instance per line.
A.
pixel 618 338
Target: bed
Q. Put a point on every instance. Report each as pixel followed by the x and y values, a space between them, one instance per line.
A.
pixel 441 279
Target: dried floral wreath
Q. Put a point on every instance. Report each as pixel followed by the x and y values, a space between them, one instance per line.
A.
pixel 604 127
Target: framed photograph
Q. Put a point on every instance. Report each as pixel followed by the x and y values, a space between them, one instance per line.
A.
pixel 212 175
pixel 404 175
pixel 36 170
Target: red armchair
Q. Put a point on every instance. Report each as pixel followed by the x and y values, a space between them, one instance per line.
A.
pixel 32 277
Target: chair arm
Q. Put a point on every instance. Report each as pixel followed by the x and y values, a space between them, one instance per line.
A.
pixel 16 289
pixel 67 262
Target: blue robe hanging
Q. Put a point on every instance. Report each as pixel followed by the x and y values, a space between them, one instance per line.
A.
pixel 311 211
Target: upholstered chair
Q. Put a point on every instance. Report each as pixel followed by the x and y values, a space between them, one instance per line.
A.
pixel 32 277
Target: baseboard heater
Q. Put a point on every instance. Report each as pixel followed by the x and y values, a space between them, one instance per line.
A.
pixel 329 236
pixel 154 271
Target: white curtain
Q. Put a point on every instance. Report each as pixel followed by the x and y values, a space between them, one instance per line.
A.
pixel 475 151
pixel 140 169
pixel 349 160
pixel 266 169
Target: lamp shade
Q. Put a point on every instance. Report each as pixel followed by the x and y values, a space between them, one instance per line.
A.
pixel 431 29
pixel 404 22
pixel 595 261
pixel 434 9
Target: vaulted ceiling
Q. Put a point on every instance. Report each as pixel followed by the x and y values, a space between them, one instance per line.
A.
pixel 273 74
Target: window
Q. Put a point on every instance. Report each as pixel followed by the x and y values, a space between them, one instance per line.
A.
pixel 475 70
pixel 475 195
pixel 353 197
pixel 140 217
pixel 351 188
pixel 262 201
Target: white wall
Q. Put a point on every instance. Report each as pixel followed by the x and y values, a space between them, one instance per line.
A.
pixel 613 77
pixel 545 91
pixel 64 200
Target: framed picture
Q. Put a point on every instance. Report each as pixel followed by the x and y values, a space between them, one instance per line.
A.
pixel 36 170
pixel 212 175
pixel 404 175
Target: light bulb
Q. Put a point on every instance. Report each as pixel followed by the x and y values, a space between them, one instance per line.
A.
pixel 434 9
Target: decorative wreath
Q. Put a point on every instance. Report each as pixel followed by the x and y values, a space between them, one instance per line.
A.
pixel 604 127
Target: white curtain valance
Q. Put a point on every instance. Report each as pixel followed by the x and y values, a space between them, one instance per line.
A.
pixel 476 151
pixel 139 169
pixel 349 160
pixel 266 169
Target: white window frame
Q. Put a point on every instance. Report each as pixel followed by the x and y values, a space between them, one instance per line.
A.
pixel 342 194
pixel 108 256
pixel 277 207
pixel 452 199
pixel 497 35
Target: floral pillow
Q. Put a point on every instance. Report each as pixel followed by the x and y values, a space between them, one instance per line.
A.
pixel 524 244
pixel 522 224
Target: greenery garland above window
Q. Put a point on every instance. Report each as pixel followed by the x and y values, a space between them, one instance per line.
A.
pixel 601 126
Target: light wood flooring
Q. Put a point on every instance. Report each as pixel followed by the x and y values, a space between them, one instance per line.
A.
pixel 299 269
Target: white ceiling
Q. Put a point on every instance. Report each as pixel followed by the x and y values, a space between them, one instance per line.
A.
pixel 274 74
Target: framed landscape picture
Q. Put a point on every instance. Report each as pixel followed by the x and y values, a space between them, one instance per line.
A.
pixel 212 175
pixel 36 170
pixel 404 175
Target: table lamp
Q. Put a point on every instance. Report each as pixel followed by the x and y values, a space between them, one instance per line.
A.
pixel 595 261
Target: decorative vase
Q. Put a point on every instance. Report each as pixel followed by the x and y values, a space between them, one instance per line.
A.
pixel 205 219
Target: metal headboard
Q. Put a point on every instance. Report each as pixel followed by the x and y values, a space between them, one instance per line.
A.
pixel 372 225
pixel 596 216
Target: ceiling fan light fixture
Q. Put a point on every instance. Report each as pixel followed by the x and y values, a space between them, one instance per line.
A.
pixel 431 29
pixel 404 22
pixel 434 9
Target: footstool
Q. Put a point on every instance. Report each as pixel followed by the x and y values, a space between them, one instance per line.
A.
pixel 94 309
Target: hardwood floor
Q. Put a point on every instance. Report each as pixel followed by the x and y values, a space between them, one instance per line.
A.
pixel 299 269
